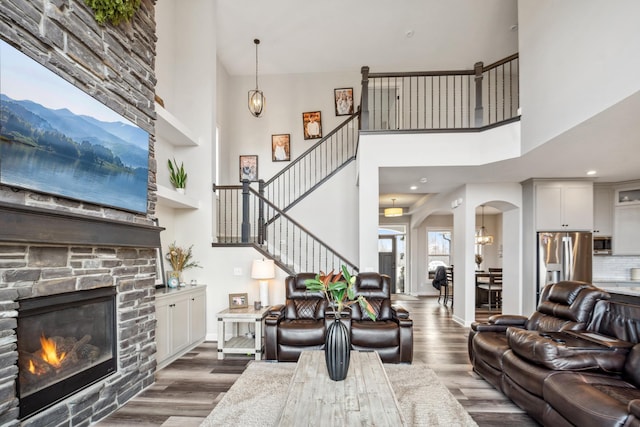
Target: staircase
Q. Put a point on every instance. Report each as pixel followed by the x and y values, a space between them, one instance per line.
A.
pixel 260 219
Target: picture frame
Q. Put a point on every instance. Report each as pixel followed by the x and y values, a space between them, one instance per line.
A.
pixel 281 147
pixel 312 124
pixel 160 278
pixel 343 101
pixel 248 167
pixel 238 301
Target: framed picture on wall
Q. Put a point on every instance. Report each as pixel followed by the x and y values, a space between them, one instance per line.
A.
pixel 343 101
pixel 312 124
pixel 280 147
pixel 249 168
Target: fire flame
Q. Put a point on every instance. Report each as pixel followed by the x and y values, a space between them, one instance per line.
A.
pixel 32 368
pixel 49 352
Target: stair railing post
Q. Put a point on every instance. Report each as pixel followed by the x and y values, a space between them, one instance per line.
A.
pixel 261 221
pixel 364 99
pixel 246 225
pixel 479 111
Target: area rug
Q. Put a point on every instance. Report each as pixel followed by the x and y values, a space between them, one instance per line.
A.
pixel 258 396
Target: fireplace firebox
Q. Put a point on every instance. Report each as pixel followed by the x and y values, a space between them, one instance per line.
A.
pixel 66 342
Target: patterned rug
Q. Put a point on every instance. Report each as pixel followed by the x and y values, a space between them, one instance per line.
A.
pixel 258 396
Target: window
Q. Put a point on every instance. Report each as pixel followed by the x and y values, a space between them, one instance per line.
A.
pixel 438 249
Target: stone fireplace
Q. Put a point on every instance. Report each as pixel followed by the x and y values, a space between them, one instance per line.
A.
pixel 66 342
pixel 96 299
pixel 52 247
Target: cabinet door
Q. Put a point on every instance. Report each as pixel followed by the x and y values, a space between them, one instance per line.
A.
pixel 602 211
pixel 549 207
pixel 626 236
pixel 577 204
pixel 179 324
pixel 162 331
pixel 198 316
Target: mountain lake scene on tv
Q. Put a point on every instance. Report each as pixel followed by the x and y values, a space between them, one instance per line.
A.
pixel 57 139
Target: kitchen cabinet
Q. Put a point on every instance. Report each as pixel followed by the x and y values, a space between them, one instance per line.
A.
pixel 626 233
pixel 180 322
pixel 564 206
pixel 602 211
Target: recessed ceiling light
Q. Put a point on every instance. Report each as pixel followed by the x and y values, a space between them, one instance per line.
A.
pixel 423 180
pixel 414 187
pixel 409 33
pixel 592 172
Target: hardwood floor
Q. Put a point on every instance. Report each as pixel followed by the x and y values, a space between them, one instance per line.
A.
pixel 188 389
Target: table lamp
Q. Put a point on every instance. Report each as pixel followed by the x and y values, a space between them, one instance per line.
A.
pixel 262 270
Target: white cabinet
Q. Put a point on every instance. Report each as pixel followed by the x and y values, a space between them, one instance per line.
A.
pixel 602 211
pixel 626 233
pixel 564 205
pixel 180 322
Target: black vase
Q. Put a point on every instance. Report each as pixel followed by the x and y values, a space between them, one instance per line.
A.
pixel 337 351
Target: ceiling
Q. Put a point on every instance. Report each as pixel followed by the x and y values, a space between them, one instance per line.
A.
pixel 418 35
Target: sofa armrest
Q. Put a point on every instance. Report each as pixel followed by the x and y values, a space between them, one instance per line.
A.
pixel 276 310
pixel 499 323
pixel 399 312
pixel 275 315
pixel 634 408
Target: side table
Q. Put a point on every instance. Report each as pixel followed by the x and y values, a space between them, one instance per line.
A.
pixel 241 344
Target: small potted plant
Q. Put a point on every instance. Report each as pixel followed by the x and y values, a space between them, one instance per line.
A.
pixel 180 259
pixel 177 175
pixel 338 290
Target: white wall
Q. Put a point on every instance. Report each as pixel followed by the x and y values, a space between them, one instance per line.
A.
pixel 426 149
pixel 186 71
pixel 577 58
pixel 287 97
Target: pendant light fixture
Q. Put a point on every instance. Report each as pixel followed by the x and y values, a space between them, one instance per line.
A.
pixel 256 97
pixel 483 238
pixel 393 211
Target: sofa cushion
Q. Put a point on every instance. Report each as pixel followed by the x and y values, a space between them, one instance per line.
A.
pixel 564 351
pixel 527 375
pixel 489 347
pixel 302 332
pixel 565 305
pixel 589 399
pixel 381 333
pixel 632 366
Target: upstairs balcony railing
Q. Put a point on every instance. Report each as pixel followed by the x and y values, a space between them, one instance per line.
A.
pixel 441 100
pixel 241 219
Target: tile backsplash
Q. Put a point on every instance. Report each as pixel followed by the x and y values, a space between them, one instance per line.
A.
pixel 614 267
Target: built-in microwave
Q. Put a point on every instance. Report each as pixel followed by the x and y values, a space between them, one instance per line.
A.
pixel 602 245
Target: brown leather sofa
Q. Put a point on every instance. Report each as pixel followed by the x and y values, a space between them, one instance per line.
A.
pixel 296 325
pixel 586 377
pixel 566 305
pixel 300 324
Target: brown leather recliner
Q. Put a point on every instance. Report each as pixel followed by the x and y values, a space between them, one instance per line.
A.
pixel 566 305
pixel 391 334
pixel 298 324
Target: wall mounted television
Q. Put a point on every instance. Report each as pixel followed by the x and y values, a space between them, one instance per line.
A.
pixel 57 139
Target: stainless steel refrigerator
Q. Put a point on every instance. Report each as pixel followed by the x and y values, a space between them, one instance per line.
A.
pixel 563 256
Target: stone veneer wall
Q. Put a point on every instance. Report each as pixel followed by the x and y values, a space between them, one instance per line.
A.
pixel 116 66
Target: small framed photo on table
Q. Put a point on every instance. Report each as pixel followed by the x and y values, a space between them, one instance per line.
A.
pixel 238 301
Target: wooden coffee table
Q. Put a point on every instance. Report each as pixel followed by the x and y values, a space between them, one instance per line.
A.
pixel 365 397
